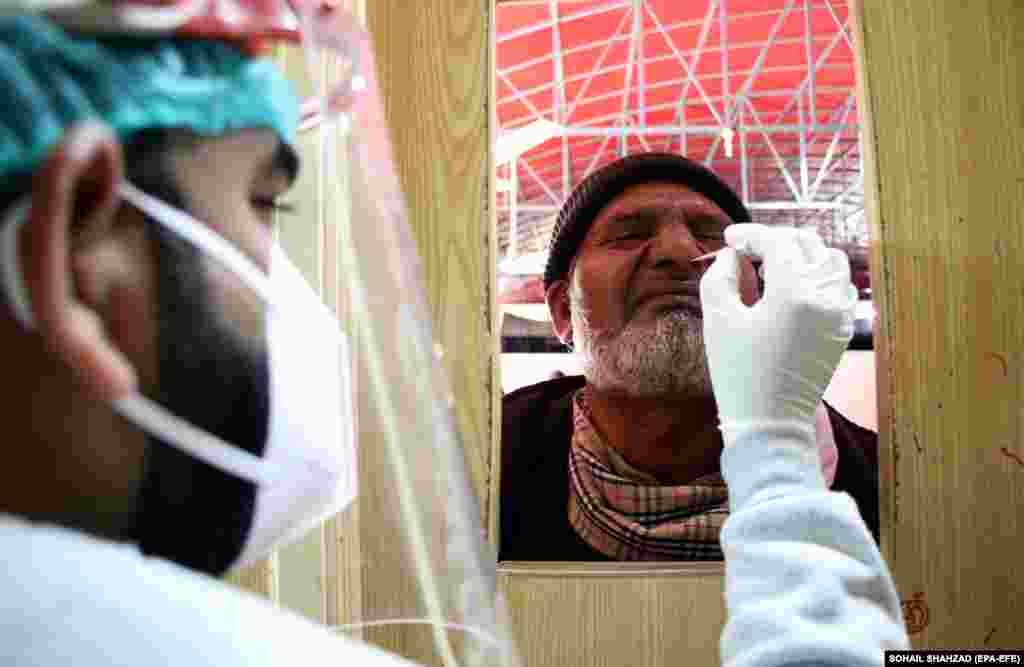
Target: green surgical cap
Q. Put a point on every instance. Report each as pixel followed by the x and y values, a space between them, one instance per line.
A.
pixel 51 79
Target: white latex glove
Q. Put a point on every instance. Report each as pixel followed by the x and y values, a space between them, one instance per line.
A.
pixel 771 362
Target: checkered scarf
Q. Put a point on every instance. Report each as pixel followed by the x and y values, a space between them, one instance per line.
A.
pixel 626 515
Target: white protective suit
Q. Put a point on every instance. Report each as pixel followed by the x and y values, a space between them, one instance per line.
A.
pixel 69 599
pixel 805 582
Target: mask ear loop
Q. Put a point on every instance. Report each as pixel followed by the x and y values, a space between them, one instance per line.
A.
pixel 136 408
pixel 159 422
pixel 154 417
pixel 199 235
pixel 14 286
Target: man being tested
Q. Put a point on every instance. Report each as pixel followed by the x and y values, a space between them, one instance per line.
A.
pixel 623 463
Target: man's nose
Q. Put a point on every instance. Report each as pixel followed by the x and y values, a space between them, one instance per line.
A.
pixel 674 244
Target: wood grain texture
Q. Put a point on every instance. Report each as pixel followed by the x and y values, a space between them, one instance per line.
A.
pixel 597 614
pixel 942 105
pixel 433 64
pixel 434 70
pixel 259 578
pixel 490 504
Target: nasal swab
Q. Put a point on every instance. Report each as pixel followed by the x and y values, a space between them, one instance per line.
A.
pixel 707 256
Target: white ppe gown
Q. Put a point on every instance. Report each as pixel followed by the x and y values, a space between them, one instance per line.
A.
pixel 70 599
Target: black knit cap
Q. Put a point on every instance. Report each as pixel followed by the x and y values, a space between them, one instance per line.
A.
pixel 601 187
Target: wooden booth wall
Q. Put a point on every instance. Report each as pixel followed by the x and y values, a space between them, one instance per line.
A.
pixel 943 106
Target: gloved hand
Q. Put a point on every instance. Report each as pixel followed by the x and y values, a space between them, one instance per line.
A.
pixel 771 362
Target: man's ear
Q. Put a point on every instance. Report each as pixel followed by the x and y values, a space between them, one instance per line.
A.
pixel 74 202
pixel 557 298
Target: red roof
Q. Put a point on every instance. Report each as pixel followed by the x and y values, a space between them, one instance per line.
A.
pixel 670 75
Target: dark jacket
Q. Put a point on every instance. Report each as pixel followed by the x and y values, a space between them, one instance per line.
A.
pixel 535 434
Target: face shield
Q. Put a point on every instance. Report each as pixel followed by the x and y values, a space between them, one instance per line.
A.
pixel 427 526
pixel 427 533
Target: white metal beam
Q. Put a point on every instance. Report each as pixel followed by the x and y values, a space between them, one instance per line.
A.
pixel 556 49
pixel 831 148
pixel 690 23
pixel 583 144
pixel 705 29
pixel 754 206
pixel 791 206
pixel 716 130
pixel 639 135
pixel 771 146
pixel 804 179
pixel 522 97
pixel 755 70
pixel 597 67
pixel 816 184
pixel 833 117
pixel 811 66
pixel 807 78
pixel 769 94
pixel 744 159
pixel 843 159
pixel 544 25
pixel 597 156
pixel 641 77
pixel 839 23
pixel 513 215
pixel 723 41
pixel 682 61
pixel 637 24
pixel 683 134
pixel 540 181
pixel 757 164
pixel 789 93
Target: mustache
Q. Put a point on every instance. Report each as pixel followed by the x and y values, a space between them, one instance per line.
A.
pixel 685 292
pixel 675 321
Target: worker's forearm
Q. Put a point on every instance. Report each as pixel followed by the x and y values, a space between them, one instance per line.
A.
pixel 805 582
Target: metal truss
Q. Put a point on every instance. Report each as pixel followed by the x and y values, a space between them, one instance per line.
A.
pixel 793 159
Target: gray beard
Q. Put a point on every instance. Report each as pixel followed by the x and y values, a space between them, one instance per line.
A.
pixel 663 358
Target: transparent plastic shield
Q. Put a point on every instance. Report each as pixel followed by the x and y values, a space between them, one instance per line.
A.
pixel 425 531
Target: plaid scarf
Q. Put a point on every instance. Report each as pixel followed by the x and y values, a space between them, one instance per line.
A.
pixel 627 515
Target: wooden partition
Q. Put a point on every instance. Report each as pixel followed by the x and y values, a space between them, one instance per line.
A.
pixel 432 57
pixel 610 615
pixel 942 104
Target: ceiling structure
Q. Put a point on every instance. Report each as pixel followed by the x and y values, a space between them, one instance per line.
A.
pixel 762 91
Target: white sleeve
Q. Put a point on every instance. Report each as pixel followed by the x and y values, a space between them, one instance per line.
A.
pixel 69 599
pixel 804 581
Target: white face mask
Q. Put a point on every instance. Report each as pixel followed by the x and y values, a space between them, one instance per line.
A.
pixel 307 471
